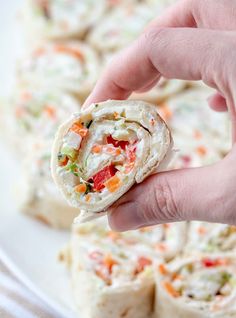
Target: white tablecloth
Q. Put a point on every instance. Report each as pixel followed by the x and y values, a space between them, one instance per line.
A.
pixel 16 301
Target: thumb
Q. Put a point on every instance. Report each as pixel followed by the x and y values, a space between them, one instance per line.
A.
pixel 187 194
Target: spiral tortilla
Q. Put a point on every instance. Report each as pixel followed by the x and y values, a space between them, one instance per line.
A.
pixel 140 144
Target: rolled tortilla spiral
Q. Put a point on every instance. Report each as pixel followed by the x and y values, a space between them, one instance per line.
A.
pixel 101 152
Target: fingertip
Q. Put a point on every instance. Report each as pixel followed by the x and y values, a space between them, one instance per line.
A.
pixel 217 102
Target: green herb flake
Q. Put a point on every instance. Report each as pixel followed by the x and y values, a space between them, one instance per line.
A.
pixel 88 188
pixel 89 124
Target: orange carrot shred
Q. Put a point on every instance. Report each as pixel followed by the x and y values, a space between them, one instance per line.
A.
pixel 162 269
pixel 88 198
pixel 69 50
pixel 113 184
pixel 96 149
pixel 170 289
pixel 201 150
pixel 80 188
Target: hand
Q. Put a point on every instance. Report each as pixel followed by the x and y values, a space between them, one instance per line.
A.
pixel 193 40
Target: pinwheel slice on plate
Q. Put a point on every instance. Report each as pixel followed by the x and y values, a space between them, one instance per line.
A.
pixel 38 113
pixel 112 273
pixel 37 194
pixel 67 66
pixel 200 287
pixel 120 27
pixel 211 238
pixel 59 19
pixel 101 152
pixel 201 135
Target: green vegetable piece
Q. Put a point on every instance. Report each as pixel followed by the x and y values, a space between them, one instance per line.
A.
pixel 70 152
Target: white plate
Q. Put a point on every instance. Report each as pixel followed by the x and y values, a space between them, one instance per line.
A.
pixel 27 247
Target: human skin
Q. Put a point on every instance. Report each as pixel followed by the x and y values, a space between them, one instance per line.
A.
pixel 192 40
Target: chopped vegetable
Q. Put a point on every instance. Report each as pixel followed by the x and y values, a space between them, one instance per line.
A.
pixel 117 143
pixel 142 263
pixel 73 140
pixel 88 197
pixel 113 184
pixel 170 289
pixel 162 269
pixel 96 149
pixel 60 48
pixel 73 168
pixel 50 111
pixel 116 115
pixel 208 262
pixel 81 188
pixel 62 159
pixel 79 129
pixel 102 176
pixel 109 262
pixel 201 150
pixel 69 152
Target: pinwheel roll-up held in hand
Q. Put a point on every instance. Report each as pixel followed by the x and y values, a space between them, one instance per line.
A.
pixel 101 152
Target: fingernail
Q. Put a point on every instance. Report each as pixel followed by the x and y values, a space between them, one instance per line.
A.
pixel 127 216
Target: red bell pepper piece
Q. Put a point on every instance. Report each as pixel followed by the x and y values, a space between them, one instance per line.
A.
pixel 208 262
pixel 102 176
pixel 117 143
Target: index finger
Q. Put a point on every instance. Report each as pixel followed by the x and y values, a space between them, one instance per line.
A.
pixel 181 53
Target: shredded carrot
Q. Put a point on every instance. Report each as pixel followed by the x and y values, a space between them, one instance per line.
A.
pixel 104 276
pixel 60 48
pixel 142 263
pixel 201 150
pixel 197 134
pixel 76 126
pixel 113 235
pixel 109 262
pixel 201 230
pixel 79 129
pixel 113 184
pixel 80 188
pixel 162 269
pixel 50 111
pixel 118 151
pixel 96 149
pixel 88 197
pixel 170 289
pixel 63 162
pixel 83 132
pixel 116 115
pixel 161 247
pixel 176 276
pixel 223 261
